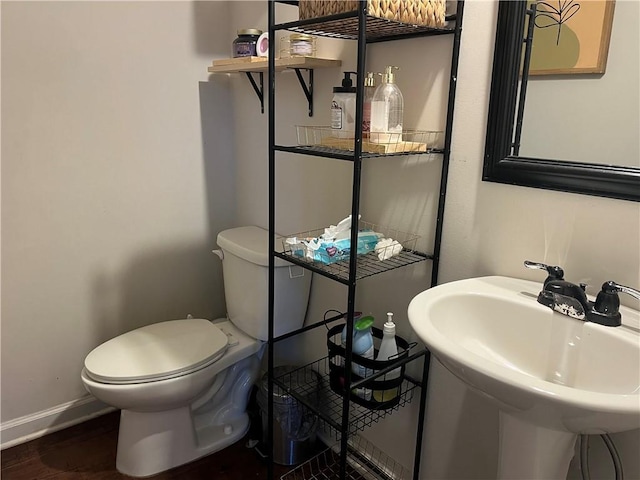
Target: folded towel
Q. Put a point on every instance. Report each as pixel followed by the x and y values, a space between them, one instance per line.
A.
pixel 387 248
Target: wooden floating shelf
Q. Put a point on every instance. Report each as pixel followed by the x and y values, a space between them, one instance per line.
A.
pixel 261 64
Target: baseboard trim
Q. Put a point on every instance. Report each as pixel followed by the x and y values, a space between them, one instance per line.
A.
pixel 39 424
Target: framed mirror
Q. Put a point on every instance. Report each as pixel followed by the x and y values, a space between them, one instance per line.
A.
pixel 613 172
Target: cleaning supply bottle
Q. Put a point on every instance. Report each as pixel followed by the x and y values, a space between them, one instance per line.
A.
pixel 388 351
pixel 369 90
pixel 363 346
pixel 343 108
pixel 387 109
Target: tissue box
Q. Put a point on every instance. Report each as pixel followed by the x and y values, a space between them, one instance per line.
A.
pixel 429 13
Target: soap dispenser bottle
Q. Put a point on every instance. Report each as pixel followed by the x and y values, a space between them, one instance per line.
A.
pixel 387 110
pixel 388 351
pixel 363 346
pixel 343 108
pixel 369 90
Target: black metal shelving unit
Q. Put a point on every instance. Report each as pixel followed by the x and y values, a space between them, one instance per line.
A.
pixel 353 459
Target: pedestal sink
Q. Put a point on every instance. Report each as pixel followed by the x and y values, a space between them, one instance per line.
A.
pixel 552 377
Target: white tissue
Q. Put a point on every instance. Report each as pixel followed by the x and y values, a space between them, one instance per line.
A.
pixel 387 248
pixel 331 234
pixel 337 232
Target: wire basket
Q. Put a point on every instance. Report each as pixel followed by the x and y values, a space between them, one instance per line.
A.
pixel 410 141
pixel 328 405
pixel 376 394
pixel 373 240
pixel 365 461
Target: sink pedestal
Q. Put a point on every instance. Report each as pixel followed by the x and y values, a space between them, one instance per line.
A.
pixel 529 451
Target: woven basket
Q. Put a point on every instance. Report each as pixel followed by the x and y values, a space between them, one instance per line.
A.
pixel 428 13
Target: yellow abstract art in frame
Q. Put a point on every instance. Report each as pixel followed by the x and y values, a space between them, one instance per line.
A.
pixel 571 36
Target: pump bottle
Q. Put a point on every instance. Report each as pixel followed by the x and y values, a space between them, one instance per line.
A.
pixel 387 110
pixel 343 108
pixel 363 346
pixel 388 351
pixel 369 90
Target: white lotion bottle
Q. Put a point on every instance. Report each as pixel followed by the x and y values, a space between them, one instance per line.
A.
pixel 343 108
pixel 388 351
pixel 387 110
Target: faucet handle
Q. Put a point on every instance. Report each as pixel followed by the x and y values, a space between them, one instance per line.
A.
pixel 554 272
pixel 613 286
pixel 607 303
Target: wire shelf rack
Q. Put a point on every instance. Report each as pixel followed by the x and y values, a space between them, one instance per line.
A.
pixel 345 26
pixel 327 404
pixel 364 462
pixel 409 142
pixel 335 265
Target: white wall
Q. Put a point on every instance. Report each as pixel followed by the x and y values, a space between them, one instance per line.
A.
pixel 58 307
pixel 117 174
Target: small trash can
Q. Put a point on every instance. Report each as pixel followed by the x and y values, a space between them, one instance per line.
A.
pixel 294 428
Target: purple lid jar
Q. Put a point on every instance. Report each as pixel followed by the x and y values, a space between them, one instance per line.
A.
pixel 245 44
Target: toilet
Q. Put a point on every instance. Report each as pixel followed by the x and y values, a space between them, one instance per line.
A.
pixel 183 385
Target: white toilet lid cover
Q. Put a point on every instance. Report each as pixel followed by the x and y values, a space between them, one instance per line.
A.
pixel 159 350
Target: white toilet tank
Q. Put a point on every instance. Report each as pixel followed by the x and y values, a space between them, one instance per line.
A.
pixel 245 269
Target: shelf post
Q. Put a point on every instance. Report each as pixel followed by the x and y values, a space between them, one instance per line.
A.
pixel 528 42
pixel 421 415
pixel 355 213
pixel 453 81
pixel 272 181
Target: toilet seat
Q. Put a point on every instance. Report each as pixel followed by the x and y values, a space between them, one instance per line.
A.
pixel 157 352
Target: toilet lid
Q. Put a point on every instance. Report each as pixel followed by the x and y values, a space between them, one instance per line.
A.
pixel 158 351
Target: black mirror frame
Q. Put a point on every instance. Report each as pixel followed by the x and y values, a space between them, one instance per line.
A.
pixel 500 166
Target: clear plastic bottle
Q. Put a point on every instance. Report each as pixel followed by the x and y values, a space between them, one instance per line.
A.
pixel 369 90
pixel 387 110
pixel 388 351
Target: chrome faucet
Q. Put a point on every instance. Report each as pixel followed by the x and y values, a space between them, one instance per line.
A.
pixel 571 299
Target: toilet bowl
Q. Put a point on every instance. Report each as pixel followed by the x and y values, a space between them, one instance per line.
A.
pixel 183 385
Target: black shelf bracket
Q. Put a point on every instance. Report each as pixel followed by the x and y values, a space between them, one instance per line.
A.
pixel 307 88
pixel 259 90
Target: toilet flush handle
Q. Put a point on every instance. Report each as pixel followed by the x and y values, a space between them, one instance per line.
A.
pixel 219 253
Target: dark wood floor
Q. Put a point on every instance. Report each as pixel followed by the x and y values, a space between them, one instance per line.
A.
pixel 88 452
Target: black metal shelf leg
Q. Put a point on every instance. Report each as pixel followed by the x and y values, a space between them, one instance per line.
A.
pixel 259 90
pixel 308 90
pixel 421 416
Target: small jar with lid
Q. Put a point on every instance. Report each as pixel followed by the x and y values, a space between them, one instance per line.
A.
pixel 245 44
pixel 300 45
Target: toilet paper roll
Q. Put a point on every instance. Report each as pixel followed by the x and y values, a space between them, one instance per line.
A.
pixel 262 46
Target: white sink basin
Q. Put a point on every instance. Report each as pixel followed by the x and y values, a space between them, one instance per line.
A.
pixel 542 368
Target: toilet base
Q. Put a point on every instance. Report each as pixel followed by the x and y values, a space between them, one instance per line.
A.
pixel 149 443
pixel 152 442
